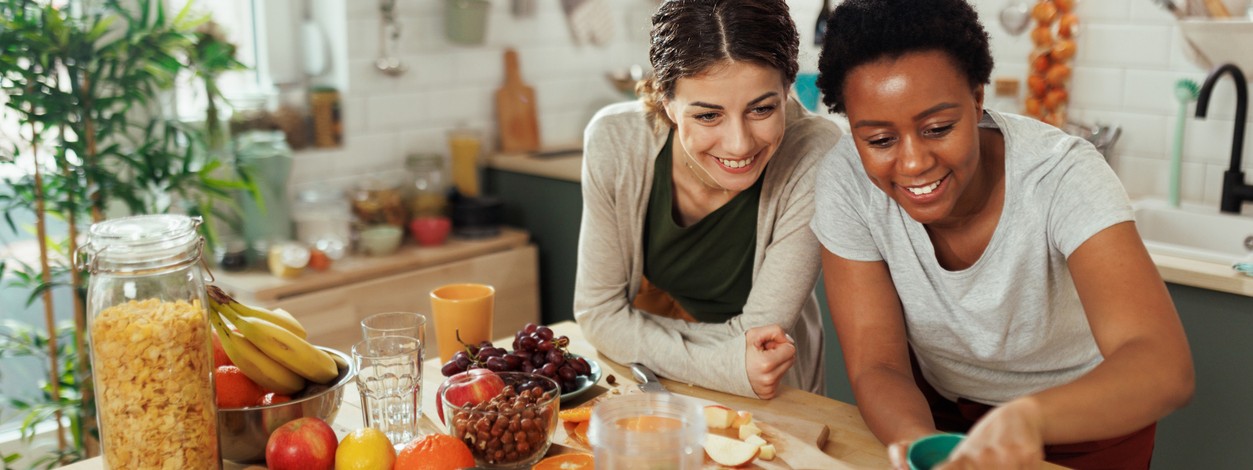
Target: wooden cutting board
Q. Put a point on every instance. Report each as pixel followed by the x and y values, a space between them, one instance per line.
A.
pixel 516 110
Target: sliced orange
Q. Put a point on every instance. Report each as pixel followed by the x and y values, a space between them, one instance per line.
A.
pixel 576 415
pixel 579 433
pixel 576 461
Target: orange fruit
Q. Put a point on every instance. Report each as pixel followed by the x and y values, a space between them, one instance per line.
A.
pixel 318 260
pixel 576 415
pixel 434 452
pixel 365 449
pixel 273 398
pixel 576 461
pixel 219 354
pixel 234 389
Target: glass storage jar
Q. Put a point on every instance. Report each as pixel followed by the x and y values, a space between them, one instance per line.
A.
pixel 428 196
pixel 378 199
pixel 323 220
pixel 149 337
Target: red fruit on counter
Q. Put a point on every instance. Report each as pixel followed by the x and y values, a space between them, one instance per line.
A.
pixel 219 354
pixel 233 389
pixel 303 444
pixel 273 399
pixel 469 388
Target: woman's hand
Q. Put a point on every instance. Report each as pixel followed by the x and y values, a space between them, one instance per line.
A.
pixel 1007 437
pixel 770 353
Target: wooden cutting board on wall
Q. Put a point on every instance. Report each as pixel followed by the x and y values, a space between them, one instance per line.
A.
pixel 516 110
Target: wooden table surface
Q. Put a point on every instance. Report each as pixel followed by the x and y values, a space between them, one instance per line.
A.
pixel 850 441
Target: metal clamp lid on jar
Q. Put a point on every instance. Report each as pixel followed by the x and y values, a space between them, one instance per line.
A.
pixel 141 244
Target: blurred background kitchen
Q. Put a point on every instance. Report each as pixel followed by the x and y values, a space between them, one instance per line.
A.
pixel 371 124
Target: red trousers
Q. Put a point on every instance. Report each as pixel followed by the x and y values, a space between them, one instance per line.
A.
pixel 1132 451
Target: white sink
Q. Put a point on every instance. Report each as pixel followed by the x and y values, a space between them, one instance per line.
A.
pixel 1193 231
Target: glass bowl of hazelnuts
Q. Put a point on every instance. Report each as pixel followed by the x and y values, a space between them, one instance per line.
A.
pixel 506 418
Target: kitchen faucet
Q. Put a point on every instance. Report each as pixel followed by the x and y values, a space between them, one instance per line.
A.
pixel 1235 191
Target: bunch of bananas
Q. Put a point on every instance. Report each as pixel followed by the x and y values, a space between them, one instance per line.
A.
pixel 269 346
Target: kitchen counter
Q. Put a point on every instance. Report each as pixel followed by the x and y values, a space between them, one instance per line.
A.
pixel 1202 274
pixel 564 166
pixel 265 288
pixel 850 442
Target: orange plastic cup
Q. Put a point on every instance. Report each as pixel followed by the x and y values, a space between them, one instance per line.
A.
pixel 465 310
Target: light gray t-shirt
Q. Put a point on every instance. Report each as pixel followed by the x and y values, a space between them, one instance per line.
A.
pixel 1011 324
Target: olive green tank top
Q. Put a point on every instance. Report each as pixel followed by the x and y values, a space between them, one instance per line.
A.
pixel 706 267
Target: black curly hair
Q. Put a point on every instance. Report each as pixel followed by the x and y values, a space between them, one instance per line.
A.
pixel 690 36
pixel 865 31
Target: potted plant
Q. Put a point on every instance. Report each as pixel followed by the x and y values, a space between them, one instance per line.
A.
pixel 95 139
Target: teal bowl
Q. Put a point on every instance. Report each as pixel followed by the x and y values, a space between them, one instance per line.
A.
pixel 931 450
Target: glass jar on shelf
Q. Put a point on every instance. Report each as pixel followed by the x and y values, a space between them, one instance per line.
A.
pixel 378 199
pixel 149 339
pixel 428 195
pixel 323 219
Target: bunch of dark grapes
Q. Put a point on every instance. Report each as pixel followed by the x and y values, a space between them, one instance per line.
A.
pixel 534 350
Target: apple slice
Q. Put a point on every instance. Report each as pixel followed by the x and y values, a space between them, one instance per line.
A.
pixel 719 417
pixel 756 440
pixel 767 452
pixel 742 418
pixel 749 430
pixel 729 452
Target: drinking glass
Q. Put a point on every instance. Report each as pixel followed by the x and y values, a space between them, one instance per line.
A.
pixel 463 314
pixel 389 377
pixel 408 324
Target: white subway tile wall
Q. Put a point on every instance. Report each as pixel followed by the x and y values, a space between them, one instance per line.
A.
pixel 1130 55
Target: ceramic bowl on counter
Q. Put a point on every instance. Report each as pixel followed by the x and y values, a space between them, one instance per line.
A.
pixel 381 240
pixel 243 432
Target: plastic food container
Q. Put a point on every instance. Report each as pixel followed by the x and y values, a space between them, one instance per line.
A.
pixel 649 430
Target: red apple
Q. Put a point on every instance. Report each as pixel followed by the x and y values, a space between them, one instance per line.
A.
pixel 469 388
pixel 303 444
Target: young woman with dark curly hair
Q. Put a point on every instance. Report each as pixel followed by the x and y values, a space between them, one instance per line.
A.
pixel 695 253
pixel 984 271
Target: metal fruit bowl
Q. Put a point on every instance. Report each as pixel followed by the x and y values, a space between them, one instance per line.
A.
pixel 243 432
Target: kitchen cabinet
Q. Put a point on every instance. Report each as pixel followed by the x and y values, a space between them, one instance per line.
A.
pixel 1213 430
pixel 543 199
pixel 331 304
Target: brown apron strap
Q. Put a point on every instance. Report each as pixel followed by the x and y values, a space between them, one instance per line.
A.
pixel 653 300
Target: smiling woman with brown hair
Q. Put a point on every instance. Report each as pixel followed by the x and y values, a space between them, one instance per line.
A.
pixel 983 269
pixel 695 255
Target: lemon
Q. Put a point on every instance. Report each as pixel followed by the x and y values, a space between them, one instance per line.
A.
pixel 365 449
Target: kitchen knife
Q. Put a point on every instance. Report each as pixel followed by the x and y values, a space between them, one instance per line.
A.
pixel 647 379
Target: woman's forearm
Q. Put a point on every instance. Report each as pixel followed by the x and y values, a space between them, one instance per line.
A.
pixel 892 405
pixel 1135 386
